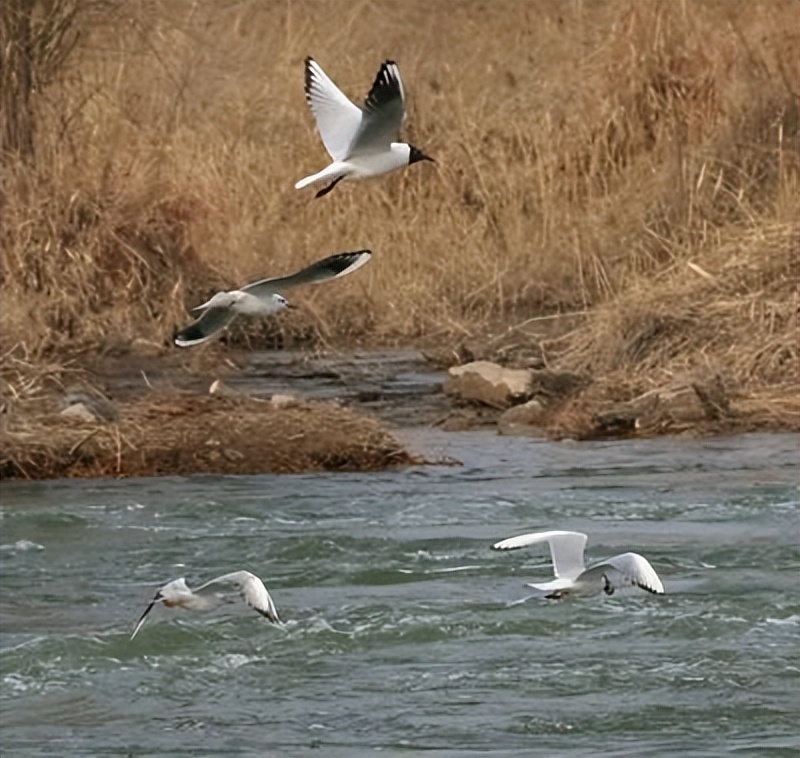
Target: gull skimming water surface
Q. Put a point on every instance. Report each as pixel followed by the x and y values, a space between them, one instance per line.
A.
pixel 566 550
pixel 176 594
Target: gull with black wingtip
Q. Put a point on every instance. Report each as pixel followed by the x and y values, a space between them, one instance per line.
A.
pixel 176 594
pixel 572 578
pixel 359 140
pixel 262 298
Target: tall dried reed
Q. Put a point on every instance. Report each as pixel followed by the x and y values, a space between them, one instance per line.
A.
pixel 592 158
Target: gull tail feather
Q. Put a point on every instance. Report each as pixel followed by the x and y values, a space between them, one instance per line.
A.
pixel 334 171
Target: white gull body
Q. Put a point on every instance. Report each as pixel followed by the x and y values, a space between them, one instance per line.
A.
pixel 360 141
pixel 572 577
pixel 176 594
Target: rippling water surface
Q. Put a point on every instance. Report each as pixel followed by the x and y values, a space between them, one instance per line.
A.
pixel 404 634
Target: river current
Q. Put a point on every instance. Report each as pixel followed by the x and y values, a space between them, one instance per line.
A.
pixel 404 633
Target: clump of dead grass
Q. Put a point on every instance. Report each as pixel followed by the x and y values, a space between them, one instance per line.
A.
pixel 706 348
pixel 27 386
pixel 171 433
pixel 737 313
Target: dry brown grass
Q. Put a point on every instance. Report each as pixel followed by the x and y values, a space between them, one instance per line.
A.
pixel 731 313
pixel 172 433
pixel 636 161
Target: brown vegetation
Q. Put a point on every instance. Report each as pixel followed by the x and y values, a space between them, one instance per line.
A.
pixel 180 433
pixel 616 181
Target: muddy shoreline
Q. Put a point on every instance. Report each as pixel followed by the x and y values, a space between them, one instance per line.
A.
pixel 396 387
pixel 172 413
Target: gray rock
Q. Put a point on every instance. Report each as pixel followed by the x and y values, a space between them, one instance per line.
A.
pixel 80 412
pixel 523 420
pixel 99 407
pixel 490 384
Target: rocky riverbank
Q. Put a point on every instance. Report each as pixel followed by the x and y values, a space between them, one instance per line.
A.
pixel 287 412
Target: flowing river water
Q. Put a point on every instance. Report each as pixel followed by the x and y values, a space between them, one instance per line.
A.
pixel 405 634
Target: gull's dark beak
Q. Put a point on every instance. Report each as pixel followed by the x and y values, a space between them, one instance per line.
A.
pixel 417 155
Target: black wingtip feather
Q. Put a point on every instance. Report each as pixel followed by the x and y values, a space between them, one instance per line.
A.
pixel 340 262
pixel 648 589
pixel 273 617
pixel 309 76
pixel 385 88
pixel 189 334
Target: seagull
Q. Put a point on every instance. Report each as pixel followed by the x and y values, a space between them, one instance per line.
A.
pixel 566 549
pixel 261 298
pixel 176 594
pixel 359 140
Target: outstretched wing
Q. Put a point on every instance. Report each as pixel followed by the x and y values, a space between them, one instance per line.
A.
pixel 566 549
pixel 632 569
pixel 331 267
pixel 383 114
pixel 337 118
pixel 144 616
pixel 252 590
pixel 212 321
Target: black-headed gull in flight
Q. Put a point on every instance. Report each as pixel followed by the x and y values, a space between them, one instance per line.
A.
pixel 262 298
pixel 566 549
pixel 176 594
pixel 360 140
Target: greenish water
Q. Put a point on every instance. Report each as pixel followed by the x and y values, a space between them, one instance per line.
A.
pixel 403 635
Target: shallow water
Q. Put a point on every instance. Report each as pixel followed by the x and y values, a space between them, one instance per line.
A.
pixel 403 632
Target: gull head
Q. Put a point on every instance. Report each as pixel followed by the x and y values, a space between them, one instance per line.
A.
pixel 608 588
pixel 415 155
pixel 167 597
pixel 173 594
pixel 281 303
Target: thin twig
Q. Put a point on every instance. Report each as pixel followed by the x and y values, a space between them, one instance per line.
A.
pixel 77 446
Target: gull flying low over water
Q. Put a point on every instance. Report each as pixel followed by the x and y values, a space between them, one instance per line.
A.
pixel 176 594
pixel 262 298
pixel 360 141
pixel 566 549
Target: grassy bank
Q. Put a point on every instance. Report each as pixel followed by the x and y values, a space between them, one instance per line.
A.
pixel 175 433
pixel 616 181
